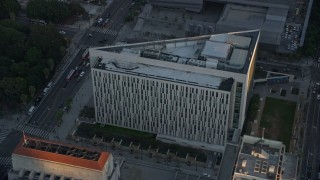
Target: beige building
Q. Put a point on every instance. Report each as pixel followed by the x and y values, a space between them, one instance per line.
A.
pixel 264 159
pixel 35 158
pixel 191 91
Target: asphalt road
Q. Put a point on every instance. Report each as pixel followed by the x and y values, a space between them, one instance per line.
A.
pixel 45 115
pixel 117 11
pixel 311 153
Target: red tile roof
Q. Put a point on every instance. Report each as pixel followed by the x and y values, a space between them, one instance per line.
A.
pixel 60 158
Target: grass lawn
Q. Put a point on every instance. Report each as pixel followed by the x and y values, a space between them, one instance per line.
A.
pixel 145 139
pixel 277 118
pixel 89 130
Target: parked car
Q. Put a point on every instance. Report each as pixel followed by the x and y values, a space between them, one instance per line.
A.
pixel 37 101
pixel 81 74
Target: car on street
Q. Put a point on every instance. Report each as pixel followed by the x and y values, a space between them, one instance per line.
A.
pixel 37 101
pixel 65 85
pixel 62 32
pixel 318 96
pixel 99 22
pixel 81 74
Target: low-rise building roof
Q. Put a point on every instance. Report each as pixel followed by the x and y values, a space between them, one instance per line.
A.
pixel 61 153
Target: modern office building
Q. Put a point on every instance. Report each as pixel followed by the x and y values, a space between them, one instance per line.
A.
pixel 264 159
pixel 191 91
pixel 267 16
pixel 35 158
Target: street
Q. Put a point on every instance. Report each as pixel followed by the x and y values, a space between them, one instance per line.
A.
pixel 311 156
pixel 44 119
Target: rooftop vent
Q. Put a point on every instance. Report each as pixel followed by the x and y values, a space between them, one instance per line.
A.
pixel 244 163
pixel 271 168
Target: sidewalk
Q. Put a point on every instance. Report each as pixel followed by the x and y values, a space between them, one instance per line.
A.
pixel 80 100
pixel 255 127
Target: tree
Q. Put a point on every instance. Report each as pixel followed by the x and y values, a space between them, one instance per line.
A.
pixel 59 116
pixel 63 50
pixel 15 25
pixel 10 36
pixel 16 51
pixel 57 11
pixel 24 99
pixel 69 102
pixel 32 91
pixel 11 89
pixel 37 9
pixel 48 41
pixel 5 64
pixel 50 63
pixel 313 31
pixel 129 18
pixel 33 56
pixel 46 72
pixel 35 76
pixel 75 8
pixel 7 7
pixel 50 10
pixel 19 69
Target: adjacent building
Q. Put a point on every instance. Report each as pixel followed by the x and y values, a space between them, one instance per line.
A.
pixel 191 91
pixel 264 159
pixel 239 15
pixel 35 158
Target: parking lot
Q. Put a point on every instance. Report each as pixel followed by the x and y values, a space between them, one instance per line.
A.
pixel 291 37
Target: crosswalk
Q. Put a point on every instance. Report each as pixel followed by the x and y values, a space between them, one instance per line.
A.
pixel 3 134
pixel 5 161
pixel 104 31
pixel 316 64
pixel 33 131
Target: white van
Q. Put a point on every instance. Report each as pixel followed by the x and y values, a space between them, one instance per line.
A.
pixel 45 91
pixel 31 110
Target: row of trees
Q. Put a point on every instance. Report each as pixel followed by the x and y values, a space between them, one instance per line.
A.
pixel 28 57
pixel 53 10
pixel 313 31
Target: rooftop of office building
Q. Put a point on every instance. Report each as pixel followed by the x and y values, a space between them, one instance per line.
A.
pixel 61 153
pixel 231 52
pixel 265 159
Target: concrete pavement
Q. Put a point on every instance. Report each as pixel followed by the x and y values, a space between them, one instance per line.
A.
pixel 80 100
